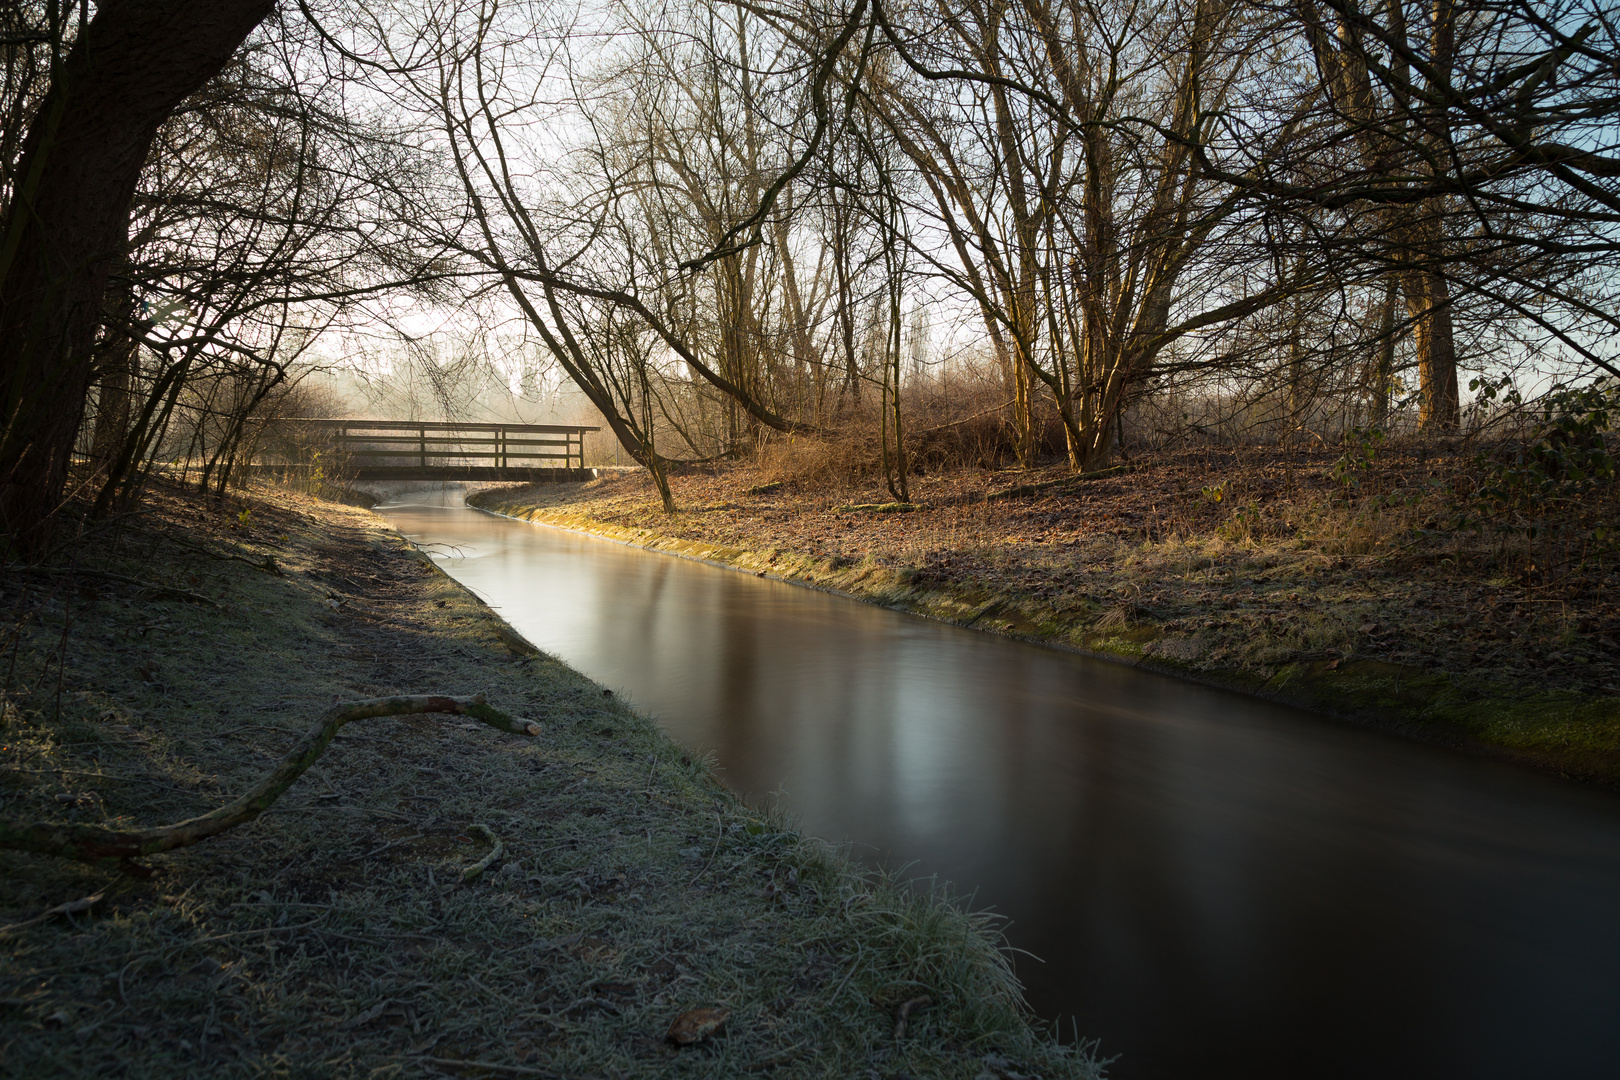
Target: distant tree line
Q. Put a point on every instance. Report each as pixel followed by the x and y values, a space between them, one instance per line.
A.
pixel 726 222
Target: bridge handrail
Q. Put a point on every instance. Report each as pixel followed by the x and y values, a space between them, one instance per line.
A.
pixel 436 425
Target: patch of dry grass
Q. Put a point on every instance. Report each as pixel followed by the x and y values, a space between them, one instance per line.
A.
pixel 331 937
pixel 1263 555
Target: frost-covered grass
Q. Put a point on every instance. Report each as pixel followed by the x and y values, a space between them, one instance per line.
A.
pixel 331 937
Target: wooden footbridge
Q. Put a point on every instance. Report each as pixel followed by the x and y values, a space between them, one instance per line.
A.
pixel 436 450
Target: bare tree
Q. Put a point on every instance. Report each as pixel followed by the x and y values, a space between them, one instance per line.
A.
pixel 66 219
pixel 267 214
pixel 1468 152
pixel 1056 149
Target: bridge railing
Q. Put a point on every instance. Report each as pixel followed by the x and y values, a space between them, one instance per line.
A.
pixel 427 443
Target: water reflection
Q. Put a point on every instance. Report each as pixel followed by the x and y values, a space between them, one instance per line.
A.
pixel 1216 886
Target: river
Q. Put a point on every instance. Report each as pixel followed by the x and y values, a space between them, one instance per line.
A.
pixel 1212 885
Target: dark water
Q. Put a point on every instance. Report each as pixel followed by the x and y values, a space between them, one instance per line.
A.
pixel 1215 886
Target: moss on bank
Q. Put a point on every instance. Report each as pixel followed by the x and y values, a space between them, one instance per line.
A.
pixel 331 936
pixel 1285 630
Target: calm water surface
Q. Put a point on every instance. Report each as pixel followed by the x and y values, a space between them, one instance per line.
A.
pixel 1214 886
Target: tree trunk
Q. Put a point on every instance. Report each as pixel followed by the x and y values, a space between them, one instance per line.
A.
pixel 134 63
pixel 1428 301
pixel 1382 375
pixel 1392 137
pixel 116 371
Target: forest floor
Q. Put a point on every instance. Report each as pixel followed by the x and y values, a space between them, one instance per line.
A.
pixel 163 663
pixel 1385 586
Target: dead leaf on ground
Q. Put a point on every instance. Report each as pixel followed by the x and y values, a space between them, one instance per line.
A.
pixel 695 1025
pixel 902 1015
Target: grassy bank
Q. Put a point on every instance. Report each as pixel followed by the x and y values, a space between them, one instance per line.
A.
pixel 159 667
pixel 1262 571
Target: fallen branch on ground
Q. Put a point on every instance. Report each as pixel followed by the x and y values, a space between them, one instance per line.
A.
pixel 115 848
pixel 494 852
pixel 268 564
pixel 877 508
pixel 1023 490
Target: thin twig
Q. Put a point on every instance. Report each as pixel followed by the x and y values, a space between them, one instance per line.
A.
pixel 495 1066
pixel 183 946
pixel 84 904
pixel 391 843
pixel 494 852
pixel 719 832
pixel 965 420
pixel 268 564
pixel 850 974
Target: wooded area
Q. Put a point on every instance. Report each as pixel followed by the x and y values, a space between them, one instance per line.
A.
pixel 1264 343
pixel 973 233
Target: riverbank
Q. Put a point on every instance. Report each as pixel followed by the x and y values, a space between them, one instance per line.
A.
pixel 163 665
pixel 1263 572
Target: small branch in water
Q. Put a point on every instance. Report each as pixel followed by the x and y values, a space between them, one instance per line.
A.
pixel 116 848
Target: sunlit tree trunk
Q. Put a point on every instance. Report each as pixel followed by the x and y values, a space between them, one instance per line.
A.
pixel 1389 141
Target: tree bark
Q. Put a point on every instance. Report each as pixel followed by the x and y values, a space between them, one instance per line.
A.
pixel 133 64
pixel 1381 373
pixel 117 366
pixel 1428 302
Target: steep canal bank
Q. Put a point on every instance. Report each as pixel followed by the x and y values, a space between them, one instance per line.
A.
pixel 1490 667
pixel 165 669
pixel 1212 884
